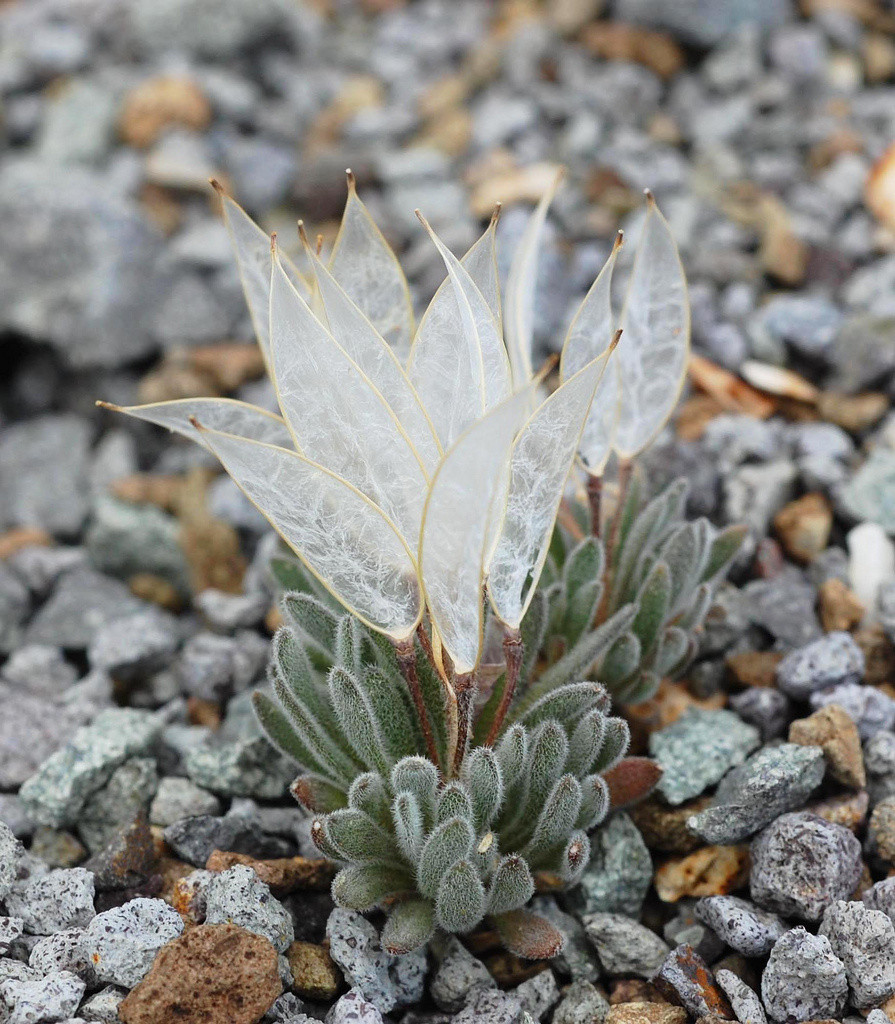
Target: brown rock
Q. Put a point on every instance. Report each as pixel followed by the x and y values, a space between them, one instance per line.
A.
pixel 128 858
pixel 665 828
pixel 839 607
pixel 315 975
pixel 879 189
pixel 854 413
pixel 160 103
pixel 614 40
pixel 212 974
pixel 646 1013
pixel 879 655
pixel 695 414
pixel 711 871
pixel 56 847
pixel 728 390
pixel 832 729
pixel 634 990
pixel 228 364
pixel 804 525
pixel 754 668
pixel 684 978
pixel 149 587
pixel 183 887
pixel 849 810
pixel 283 874
pixel 882 828
pixel 509 970
pixel 203 712
pixel 511 185
pixel 23 537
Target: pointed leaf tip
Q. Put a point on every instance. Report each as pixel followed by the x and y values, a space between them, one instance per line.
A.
pixel 632 779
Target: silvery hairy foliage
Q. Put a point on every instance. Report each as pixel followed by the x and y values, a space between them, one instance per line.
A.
pixel 428 687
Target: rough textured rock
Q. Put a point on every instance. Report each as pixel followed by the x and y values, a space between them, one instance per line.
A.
pixel 804 979
pixel 457 976
pixel 743 926
pixel 238 896
pixel 214 973
pixel 744 1000
pixel 619 873
pixel 52 902
pixel 123 942
pixel 801 864
pixel 684 978
pixel 864 940
pixel 583 1003
pixel 833 659
pixel 54 997
pixel 625 946
pixel 832 729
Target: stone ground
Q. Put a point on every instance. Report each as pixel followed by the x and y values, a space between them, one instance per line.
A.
pixel 149 847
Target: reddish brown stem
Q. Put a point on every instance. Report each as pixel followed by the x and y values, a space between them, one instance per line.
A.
pixel 594 498
pixel 406 652
pixel 465 688
pixel 426 642
pixel 513 649
pixel 624 480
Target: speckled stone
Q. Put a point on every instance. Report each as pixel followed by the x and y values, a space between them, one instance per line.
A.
pixel 832 659
pixel 620 871
pixel 54 997
pixel 685 978
pixel 123 942
pixel 698 749
pixel 238 896
pixel 744 1000
pixel 804 979
pixel 52 902
pixel 352 1008
pixel 774 780
pixel 538 994
pixel 457 976
pixel 802 864
pixel 864 940
pixel 10 853
pixel 743 926
pixel 881 896
pixel 624 946
pixel 832 729
pixel 582 1003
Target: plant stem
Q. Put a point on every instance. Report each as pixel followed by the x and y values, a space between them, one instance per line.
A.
pixel 465 688
pixel 426 643
pixel 513 650
pixel 624 480
pixel 406 652
pixel 594 497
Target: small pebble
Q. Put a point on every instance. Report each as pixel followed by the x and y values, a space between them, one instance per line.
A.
pixel 237 896
pixel 743 926
pixel 55 997
pixel 52 902
pixel 804 979
pixel 828 661
pixel 457 976
pixel 685 978
pixel 123 942
pixel 864 940
pixel 582 1003
pixel 832 729
pixel 624 946
pixel 745 1002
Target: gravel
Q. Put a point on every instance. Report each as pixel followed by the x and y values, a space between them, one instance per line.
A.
pixel 804 979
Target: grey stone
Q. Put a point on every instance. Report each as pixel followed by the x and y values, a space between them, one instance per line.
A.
pixel 62 785
pixel 227 612
pixel 125 539
pixel 78 123
pixel 685 979
pixel 828 661
pixel 869 496
pixel 52 902
pixel 15 603
pixel 619 873
pixel 10 854
pixel 206 666
pixel 879 761
pixel 11 929
pixel 864 349
pixel 772 781
pixel 81 271
pixel 43 468
pixel 386 981
pixel 40 669
pixel 864 940
pixel 881 896
pixel 51 998
pixel 753 494
pixel 765 708
pixel 747 929
pixel 871 710
pixel 698 749
pixel 14 816
pixel 625 946
pixel 123 797
pixel 82 601
pixel 491 1006
pixel 785 607
pixel 239 897
pixel 352 1008
pixel 684 929
pixel 123 942
pixel 194 839
pixel 577 958
pixel 582 1003
pixel 178 798
pixel 808 322
pixel 804 979
pixel 133 646
pixel 245 768
pixel 538 994
pixel 744 1000
pixel 457 976
pixel 102 1006
pixel 63 951
pixel 40 567
pixel 801 864
pixel 31 729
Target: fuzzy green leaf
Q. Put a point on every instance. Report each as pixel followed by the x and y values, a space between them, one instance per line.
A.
pixel 566 705
pixel 621 661
pixel 358 837
pixel 362 887
pixel 594 802
pixel 512 885
pixel 410 925
pixel 557 818
pixel 585 743
pixel 296 672
pixel 583 564
pixel 454 802
pixel 461 898
pixel 616 740
pixel 393 711
pixel 369 794
pixel 481 772
pixel 723 550
pixel 581 610
pixel 358 720
pixel 682 553
pixel 449 842
pixel 407 819
pixel 317 794
pixel 315 623
pixel 418 776
pixel 511 755
pixel 672 650
pixel 347 648
pixel 654 600
pixel 534 629
pixel 280 732
pixel 574 858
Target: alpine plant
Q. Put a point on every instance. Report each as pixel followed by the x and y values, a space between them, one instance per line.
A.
pixel 435 696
